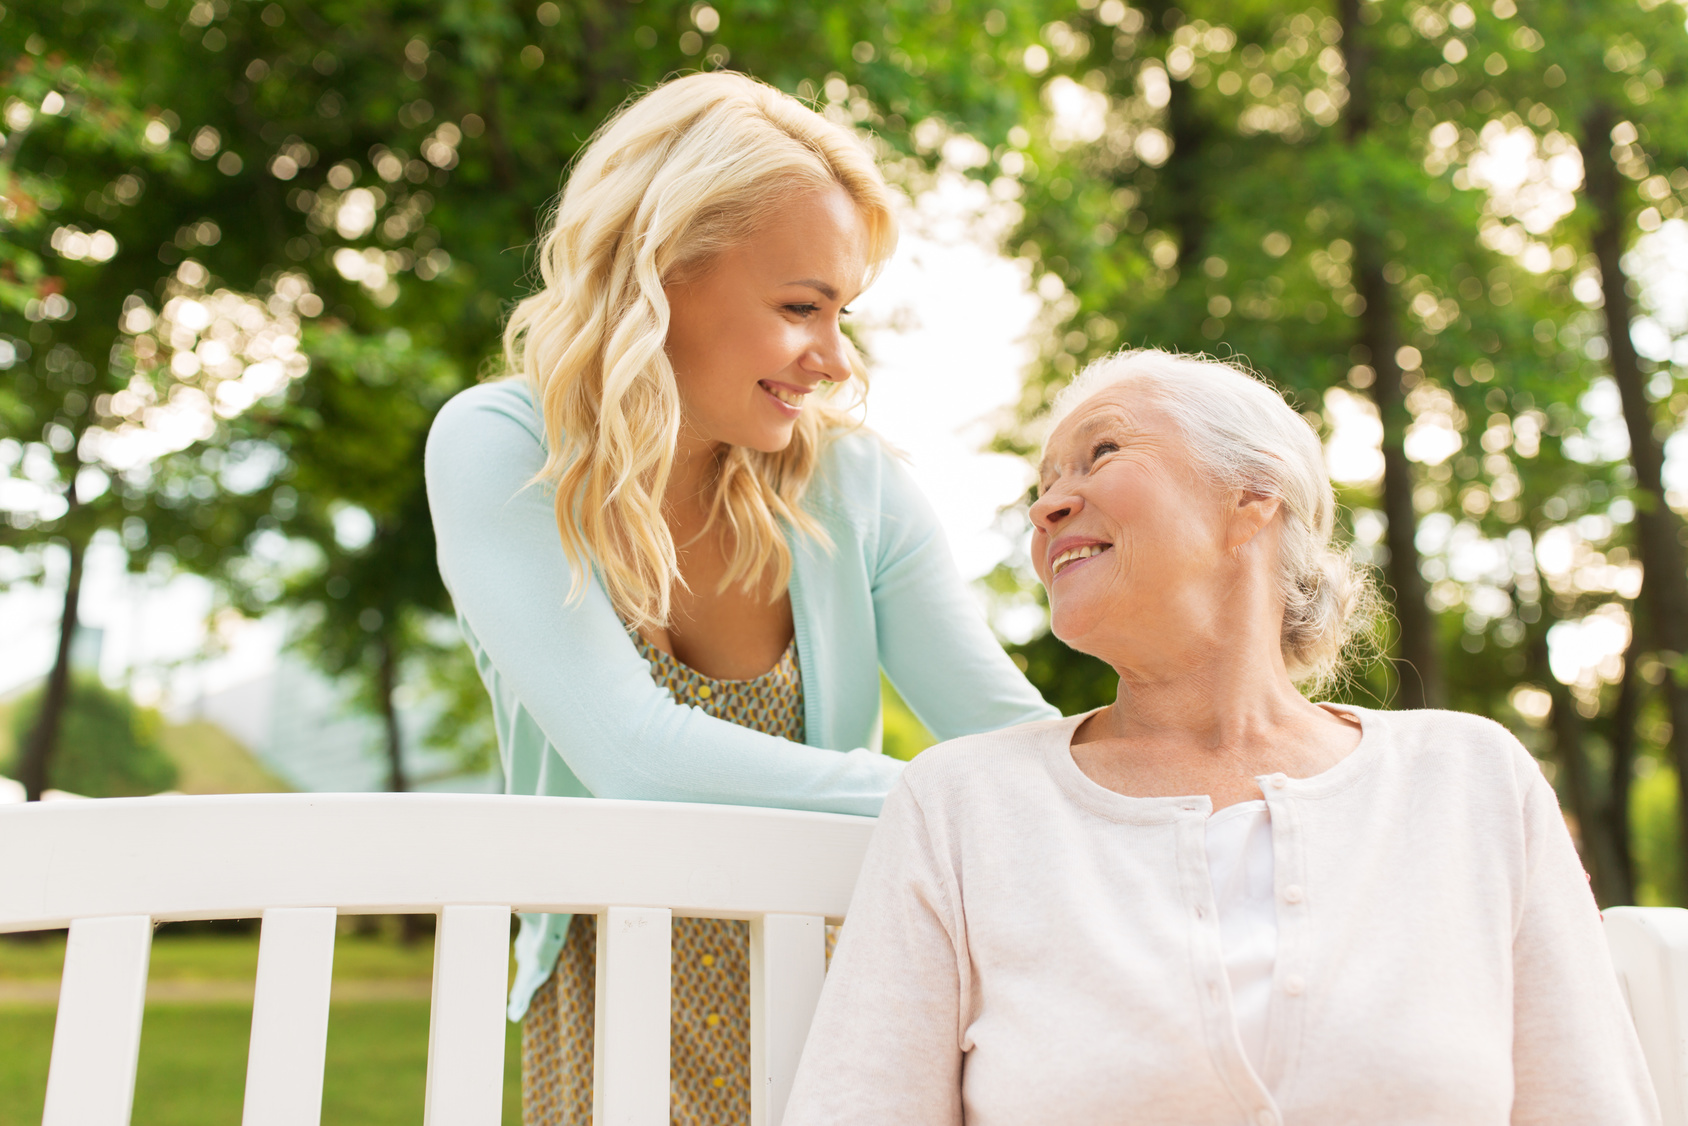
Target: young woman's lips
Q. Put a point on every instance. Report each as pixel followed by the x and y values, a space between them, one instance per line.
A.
pixel 785 397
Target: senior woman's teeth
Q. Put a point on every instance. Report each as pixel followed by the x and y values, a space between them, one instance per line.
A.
pixel 1074 554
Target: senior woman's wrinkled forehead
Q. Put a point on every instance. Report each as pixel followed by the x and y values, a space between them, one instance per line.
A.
pixel 1127 405
pixel 1237 428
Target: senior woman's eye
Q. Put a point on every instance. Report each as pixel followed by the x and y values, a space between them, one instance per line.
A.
pixel 1105 446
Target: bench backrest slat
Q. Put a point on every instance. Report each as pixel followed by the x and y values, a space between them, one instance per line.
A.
pixel 466 1022
pixel 1650 952
pixel 290 1017
pixel 631 1021
pixel 787 969
pixel 97 1038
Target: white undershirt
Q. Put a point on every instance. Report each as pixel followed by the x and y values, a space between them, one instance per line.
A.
pixel 1239 860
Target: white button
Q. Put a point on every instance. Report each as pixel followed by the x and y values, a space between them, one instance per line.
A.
pixel 1294 985
pixel 1265 1117
pixel 1294 894
pixel 1279 781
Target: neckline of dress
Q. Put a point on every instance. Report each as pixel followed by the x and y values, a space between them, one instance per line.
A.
pixel 1056 737
pixel 662 656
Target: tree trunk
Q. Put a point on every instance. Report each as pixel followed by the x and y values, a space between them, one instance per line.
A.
pixel 1186 175
pixel 44 736
pixel 388 682
pixel 1421 676
pixel 1589 806
pixel 1665 582
pixel 412 928
pixel 1620 737
pixel 1421 680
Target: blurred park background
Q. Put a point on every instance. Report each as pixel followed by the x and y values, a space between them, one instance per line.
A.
pixel 248 247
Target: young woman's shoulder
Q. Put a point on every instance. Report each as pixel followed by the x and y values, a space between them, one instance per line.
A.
pixel 848 454
pixel 492 410
pixel 860 476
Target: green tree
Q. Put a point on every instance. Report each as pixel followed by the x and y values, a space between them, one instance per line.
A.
pixel 109 746
pixel 1609 72
pixel 1307 188
pixel 379 165
pixel 75 244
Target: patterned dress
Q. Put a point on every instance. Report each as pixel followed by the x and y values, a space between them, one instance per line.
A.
pixel 710 1051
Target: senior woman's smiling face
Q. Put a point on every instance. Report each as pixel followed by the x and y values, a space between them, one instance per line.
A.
pixel 1132 544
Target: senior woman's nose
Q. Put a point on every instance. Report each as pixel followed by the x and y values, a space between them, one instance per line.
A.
pixel 1054 506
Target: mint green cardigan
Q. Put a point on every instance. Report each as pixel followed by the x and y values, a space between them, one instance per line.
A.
pixel 576 711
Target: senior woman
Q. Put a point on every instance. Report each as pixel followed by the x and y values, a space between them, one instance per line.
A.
pixel 1214 901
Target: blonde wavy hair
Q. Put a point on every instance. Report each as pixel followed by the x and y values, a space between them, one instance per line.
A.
pixel 671 180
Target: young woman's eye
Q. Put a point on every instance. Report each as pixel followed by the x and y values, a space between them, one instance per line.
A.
pixel 802 310
pixel 846 312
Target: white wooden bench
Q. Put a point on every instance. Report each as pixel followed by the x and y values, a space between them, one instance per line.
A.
pixel 1650 950
pixel 111 870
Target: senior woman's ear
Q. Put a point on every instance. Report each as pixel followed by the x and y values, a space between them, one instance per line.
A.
pixel 1252 513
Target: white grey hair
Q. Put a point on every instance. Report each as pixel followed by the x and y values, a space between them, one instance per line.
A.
pixel 1243 435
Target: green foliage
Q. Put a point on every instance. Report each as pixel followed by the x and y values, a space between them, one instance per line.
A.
pixel 370 170
pixel 463 726
pixel 192 1066
pixel 108 747
pixel 211 761
pixel 1658 836
pixel 192 1069
pixel 1239 168
pixel 904 736
pixel 367 172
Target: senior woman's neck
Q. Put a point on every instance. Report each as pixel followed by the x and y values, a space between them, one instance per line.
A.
pixel 1209 723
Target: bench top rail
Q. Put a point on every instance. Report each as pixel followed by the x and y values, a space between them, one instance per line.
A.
pixel 175 858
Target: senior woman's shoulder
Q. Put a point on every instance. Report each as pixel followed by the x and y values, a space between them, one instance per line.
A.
pixel 1448 737
pixel 995 760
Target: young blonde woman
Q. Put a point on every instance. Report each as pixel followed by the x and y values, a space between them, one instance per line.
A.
pixel 679 564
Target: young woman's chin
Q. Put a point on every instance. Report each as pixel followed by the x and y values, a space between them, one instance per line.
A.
pixel 765 440
pixel 770 433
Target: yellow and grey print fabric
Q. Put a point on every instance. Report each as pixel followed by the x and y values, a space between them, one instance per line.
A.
pixel 709 1082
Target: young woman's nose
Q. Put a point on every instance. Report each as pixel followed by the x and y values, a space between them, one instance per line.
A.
pixel 828 355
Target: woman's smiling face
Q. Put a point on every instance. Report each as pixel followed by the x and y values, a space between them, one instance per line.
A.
pixel 758 330
pixel 1131 543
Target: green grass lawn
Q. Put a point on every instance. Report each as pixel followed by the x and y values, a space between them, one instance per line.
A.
pixel 192 1068
pixel 193 1065
pixel 228 957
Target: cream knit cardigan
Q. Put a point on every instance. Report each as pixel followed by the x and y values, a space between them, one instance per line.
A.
pixel 1028 947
